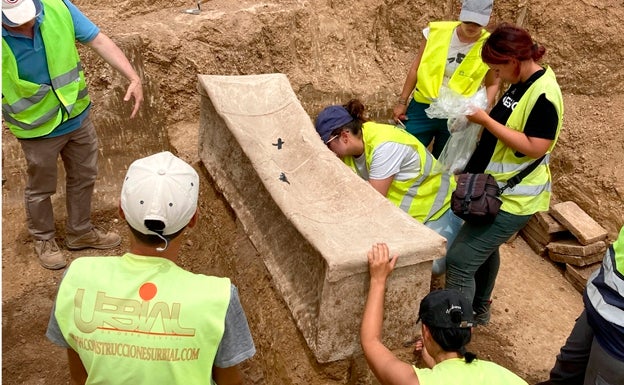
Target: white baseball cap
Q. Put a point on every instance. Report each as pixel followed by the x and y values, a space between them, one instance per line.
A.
pixel 160 187
pixel 476 11
pixel 18 12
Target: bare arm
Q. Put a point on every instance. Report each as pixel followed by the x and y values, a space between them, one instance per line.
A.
pixel 528 145
pixel 227 376
pixel 385 365
pixel 408 86
pixel 492 83
pixel 110 52
pixel 77 371
pixel 382 185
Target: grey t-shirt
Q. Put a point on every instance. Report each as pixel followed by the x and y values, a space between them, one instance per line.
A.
pixel 236 345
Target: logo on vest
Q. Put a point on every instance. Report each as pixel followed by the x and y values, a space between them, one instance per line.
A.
pixel 509 102
pixel 129 315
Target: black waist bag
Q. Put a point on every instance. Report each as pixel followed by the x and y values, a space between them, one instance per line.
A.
pixel 476 198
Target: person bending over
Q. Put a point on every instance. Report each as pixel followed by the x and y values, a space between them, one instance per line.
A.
pixel 395 164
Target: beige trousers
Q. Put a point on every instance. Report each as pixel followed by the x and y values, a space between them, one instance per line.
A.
pixel 79 152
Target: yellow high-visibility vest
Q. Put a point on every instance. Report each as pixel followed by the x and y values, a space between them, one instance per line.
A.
pixel 467 77
pixel 426 196
pixel 142 320
pixel 532 194
pixel 32 110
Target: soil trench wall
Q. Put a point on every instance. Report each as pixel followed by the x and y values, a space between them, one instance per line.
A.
pixel 332 51
pixel 121 139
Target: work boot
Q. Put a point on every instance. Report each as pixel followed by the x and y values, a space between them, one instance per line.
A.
pixel 482 317
pixel 96 238
pixel 50 255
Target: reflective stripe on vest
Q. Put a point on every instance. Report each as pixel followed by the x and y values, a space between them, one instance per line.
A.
pixel 32 110
pixel 424 197
pixel 532 194
pixel 611 274
pixel 467 77
pixel 135 317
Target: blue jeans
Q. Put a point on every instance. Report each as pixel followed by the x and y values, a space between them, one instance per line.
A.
pixel 448 226
pixel 473 259
pixel 426 129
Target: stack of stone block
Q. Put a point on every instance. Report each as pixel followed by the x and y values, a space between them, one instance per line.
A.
pixel 568 236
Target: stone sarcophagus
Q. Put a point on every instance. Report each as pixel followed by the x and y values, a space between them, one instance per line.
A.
pixel 310 217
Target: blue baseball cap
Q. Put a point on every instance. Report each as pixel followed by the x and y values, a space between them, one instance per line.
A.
pixel 331 118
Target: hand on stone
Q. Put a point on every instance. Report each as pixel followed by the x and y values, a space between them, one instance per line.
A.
pixel 380 262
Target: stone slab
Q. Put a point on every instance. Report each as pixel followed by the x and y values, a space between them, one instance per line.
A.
pixel 578 276
pixel 575 260
pixel 584 227
pixel 535 245
pixel 310 217
pixel 537 232
pixel 543 236
pixel 548 223
pixel 574 247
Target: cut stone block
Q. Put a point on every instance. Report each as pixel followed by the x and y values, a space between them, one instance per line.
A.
pixel 310 217
pixel 535 245
pixel 573 247
pixel 575 259
pixel 536 231
pixel 512 238
pixel 548 223
pixel 584 228
pixel 578 276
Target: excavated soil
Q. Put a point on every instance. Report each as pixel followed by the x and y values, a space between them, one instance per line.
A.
pixel 330 50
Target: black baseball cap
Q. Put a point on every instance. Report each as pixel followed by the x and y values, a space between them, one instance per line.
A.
pixel 446 308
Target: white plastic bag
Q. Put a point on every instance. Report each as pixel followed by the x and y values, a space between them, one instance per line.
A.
pixel 464 134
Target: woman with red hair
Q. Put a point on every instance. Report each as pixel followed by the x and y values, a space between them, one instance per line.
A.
pixel 522 128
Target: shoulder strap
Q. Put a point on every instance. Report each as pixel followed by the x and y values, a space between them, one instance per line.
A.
pixel 519 176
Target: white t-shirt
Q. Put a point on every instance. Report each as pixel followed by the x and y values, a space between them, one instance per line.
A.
pixel 456 54
pixel 390 159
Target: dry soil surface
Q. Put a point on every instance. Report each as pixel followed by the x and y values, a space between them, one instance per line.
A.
pixel 330 50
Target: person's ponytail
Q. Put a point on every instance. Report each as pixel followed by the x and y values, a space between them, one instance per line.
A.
pixel 469 356
pixel 357 110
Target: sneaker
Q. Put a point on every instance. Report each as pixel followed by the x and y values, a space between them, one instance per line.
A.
pixel 50 255
pixel 483 317
pixel 95 239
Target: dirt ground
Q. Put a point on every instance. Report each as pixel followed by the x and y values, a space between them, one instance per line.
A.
pixel 330 50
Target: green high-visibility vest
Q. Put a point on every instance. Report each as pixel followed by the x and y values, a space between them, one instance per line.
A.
pixel 426 196
pixel 32 110
pixel 467 77
pixel 532 194
pixel 478 372
pixel 142 320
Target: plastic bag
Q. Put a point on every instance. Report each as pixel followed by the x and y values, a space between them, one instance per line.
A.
pixel 464 134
